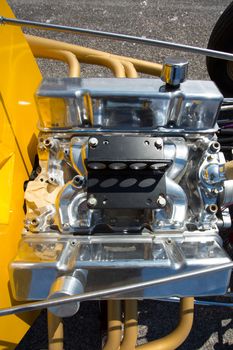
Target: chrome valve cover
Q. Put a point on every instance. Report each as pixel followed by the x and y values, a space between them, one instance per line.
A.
pixel 129 177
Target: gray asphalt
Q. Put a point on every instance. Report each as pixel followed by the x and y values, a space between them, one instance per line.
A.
pixel 184 21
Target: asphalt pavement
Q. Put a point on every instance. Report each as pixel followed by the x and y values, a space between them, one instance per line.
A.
pixel 183 21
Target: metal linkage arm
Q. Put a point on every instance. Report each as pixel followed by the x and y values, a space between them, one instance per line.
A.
pixel 117 36
pixel 111 291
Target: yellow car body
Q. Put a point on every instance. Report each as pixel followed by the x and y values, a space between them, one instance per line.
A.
pixel 20 77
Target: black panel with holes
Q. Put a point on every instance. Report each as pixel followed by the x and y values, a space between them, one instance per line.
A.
pixel 126 171
pixel 128 148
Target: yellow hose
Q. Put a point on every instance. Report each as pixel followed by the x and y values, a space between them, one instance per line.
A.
pixel 44 48
pixel 116 67
pixel 61 55
pixel 114 325
pixel 55 332
pixel 178 336
pixel 81 52
pixel 130 70
pixel 130 325
pixel 228 169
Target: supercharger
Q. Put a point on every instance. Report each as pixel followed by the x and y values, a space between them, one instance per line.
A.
pixel 130 184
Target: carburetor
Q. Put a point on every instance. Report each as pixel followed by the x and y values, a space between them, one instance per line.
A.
pixel 129 178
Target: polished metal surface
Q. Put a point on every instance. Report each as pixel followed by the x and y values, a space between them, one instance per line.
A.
pixel 174 71
pixel 68 285
pixel 227 194
pixel 63 206
pixel 112 260
pixel 110 292
pixel 130 105
pixel 116 36
pixel 227 108
pixel 227 104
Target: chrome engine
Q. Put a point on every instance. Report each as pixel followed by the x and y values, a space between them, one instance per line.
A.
pixel 129 185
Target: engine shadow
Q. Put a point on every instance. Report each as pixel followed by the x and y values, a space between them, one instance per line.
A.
pixel 208 332
pixel 82 331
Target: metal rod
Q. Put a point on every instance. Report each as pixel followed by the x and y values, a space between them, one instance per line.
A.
pixel 228 100
pixel 227 108
pixel 227 104
pixel 111 291
pixel 159 131
pixel 117 36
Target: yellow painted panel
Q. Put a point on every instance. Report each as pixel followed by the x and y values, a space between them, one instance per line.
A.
pixel 6 179
pixel 12 176
pixel 20 77
pixel 7 160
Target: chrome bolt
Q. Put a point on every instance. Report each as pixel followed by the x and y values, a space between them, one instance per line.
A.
pixel 215 191
pixel 158 143
pixel 73 243
pixel 93 142
pixel 210 158
pixel 66 226
pixel 215 147
pixel 161 201
pixel 52 180
pixel 48 143
pixel 78 181
pixel 34 222
pixel 91 202
pixel 194 147
pixel 174 71
pixel 212 209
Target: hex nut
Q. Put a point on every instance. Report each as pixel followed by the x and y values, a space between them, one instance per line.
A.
pixel 158 143
pixel 91 202
pixel 161 201
pixel 93 142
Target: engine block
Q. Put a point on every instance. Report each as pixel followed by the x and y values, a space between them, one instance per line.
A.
pixel 129 177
